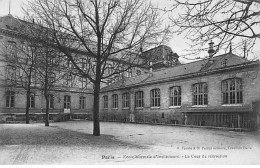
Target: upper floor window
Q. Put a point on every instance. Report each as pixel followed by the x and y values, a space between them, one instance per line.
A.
pixel 109 69
pixel 129 73
pixel 83 82
pixel 105 102
pixel 200 94
pixel 67 100
pixel 10 73
pixel 155 98
pixel 10 99
pixel 11 45
pixel 139 99
pixel 52 78
pixel 69 80
pixel 175 96
pixel 232 91
pixel 126 100
pixel 114 101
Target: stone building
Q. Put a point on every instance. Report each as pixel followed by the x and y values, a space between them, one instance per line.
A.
pixel 220 91
pixel 71 94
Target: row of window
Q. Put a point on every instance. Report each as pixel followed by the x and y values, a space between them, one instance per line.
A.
pixel 10 99
pixel 231 94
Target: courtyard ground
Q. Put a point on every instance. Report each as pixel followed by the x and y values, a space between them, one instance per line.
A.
pixel 124 143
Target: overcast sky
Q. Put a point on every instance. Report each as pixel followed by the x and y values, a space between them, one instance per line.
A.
pixel 178 43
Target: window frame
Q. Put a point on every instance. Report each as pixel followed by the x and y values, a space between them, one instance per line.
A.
pixel 82 102
pixel 105 102
pixel 237 93
pixel 67 102
pixel 139 99
pixel 10 99
pixel 175 97
pixel 200 98
pixel 155 98
pixel 51 101
pixel 115 101
pixel 32 101
pixel 126 100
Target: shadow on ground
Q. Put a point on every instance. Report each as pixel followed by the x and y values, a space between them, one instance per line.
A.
pixel 22 134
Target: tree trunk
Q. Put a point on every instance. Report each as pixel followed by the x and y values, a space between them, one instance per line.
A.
pixel 47 123
pixel 96 125
pixel 27 105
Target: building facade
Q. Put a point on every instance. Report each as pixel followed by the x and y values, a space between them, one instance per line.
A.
pixel 221 91
pixel 70 94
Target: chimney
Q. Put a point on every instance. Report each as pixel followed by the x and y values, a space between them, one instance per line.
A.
pixel 211 51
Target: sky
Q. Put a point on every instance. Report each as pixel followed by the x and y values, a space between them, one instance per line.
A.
pixel 178 43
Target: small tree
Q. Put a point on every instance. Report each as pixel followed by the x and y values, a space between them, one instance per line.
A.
pixel 47 67
pixel 227 22
pixel 103 30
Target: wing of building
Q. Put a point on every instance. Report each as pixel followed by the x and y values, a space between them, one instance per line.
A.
pixel 221 91
pixel 70 95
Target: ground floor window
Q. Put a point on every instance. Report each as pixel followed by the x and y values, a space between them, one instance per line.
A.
pixel 200 94
pixel 175 96
pixel 126 100
pixel 32 101
pixel 105 102
pixel 155 98
pixel 232 91
pixel 139 99
pixel 115 101
pixel 51 101
pixel 82 102
pixel 10 95
pixel 67 100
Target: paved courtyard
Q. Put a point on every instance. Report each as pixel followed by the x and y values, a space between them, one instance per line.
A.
pixel 123 143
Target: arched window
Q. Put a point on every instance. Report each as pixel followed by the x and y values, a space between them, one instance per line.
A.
pixel 139 99
pixel 175 96
pixel 200 94
pixel 114 101
pixel 232 91
pixel 125 100
pixel 155 98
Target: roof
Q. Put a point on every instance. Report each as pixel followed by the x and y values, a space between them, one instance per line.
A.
pixel 217 62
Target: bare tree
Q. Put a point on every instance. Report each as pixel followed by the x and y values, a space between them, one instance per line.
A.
pixel 227 22
pixel 103 30
pixel 47 68
pixel 21 57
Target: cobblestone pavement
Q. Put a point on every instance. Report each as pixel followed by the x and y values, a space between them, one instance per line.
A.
pixel 123 143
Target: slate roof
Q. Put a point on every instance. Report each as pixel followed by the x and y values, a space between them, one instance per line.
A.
pixel 225 60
